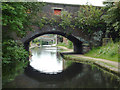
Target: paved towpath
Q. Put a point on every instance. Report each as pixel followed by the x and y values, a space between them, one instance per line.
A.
pixel 115 66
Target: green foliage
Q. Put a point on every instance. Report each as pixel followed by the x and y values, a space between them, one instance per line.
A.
pixel 17 16
pixel 35 40
pixel 61 44
pixel 68 63
pixel 69 45
pixel 14 59
pixel 42 22
pixel 65 19
pixel 109 52
pixel 89 18
pixel 14 15
pixel 112 18
pixel 41 42
pixel 53 21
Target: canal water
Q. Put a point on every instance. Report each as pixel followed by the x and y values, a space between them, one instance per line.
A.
pixel 47 69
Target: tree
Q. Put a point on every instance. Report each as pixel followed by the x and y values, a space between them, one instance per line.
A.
pixel 89 18
pixel 16 16
pixel 13 60
pixel 112 18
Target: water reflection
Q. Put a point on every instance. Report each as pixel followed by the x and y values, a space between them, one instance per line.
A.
pixel 61 76
pixel 72 75
pixel 46 59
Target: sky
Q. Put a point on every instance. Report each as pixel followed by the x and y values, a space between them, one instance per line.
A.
pixel 77 2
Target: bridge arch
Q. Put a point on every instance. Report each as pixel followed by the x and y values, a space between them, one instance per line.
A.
pixel 75 36
pixel 76 42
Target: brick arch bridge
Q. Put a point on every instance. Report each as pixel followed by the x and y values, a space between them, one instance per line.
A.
pixel 76 36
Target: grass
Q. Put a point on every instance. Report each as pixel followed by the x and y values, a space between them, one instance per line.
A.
pixel 100 64
pixel 69 46
pixel 109 52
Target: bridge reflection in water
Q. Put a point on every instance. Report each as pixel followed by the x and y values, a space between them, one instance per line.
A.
pixel 68 74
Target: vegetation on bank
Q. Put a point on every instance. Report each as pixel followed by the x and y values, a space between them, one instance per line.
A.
pixel 16 17
pixel 99 64
pixel 42 42
pixel 108 52
pixel 112 20
pixel 14 60
pixel 39 42
pixel 69 45
pixel 19 16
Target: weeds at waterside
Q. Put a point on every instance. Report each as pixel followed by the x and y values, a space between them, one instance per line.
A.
pixel 109 52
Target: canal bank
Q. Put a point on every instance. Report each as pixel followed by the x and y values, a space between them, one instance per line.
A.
pixel 47 69
pixel 107 65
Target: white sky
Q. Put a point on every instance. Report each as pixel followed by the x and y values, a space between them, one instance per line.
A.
pixel 77 2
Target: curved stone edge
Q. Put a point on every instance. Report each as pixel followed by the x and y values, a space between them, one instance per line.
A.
pixel 100 64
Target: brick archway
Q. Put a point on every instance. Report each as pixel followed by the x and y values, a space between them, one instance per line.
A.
pixel 77 42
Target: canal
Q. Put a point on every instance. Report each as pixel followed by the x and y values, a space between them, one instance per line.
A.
pixel 47 69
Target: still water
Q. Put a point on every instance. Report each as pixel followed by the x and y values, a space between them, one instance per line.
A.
pixel 47 69
pixel 46 60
